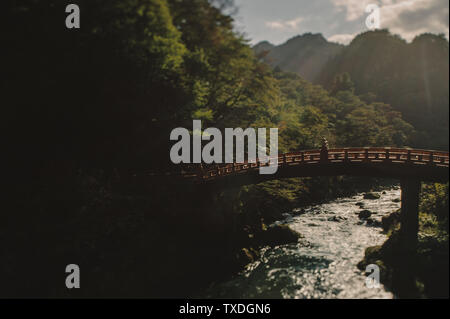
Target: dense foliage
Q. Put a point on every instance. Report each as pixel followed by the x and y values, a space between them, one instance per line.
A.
pixel 113 89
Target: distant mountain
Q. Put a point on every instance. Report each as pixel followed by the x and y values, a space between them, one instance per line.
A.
pixel 305 54
pixel 263 46
pixel 412 77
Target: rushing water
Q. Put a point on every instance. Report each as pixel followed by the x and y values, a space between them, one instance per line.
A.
pixel 323 263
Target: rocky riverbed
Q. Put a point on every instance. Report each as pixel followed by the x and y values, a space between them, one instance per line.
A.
pixel 323 263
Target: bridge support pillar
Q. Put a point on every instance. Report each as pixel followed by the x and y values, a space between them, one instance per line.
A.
pixel 410 213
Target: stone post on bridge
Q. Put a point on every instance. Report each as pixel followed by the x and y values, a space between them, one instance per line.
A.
pixel 409 226
pixel 324 150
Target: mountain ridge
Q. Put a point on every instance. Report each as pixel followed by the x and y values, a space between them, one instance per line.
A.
pixel 304 54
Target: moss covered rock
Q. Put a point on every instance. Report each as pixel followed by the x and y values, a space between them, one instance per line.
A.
pixel 246 256
pixel 391 221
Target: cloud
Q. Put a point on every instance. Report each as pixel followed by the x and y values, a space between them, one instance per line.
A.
pixel 285 25
pixel 410 18
pixel 342 38
pixel 354 8
pixel 407 18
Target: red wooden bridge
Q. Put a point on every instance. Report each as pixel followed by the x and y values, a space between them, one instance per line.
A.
pixel 400 163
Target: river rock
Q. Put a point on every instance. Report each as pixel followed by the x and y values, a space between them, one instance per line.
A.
pixel 298 212
pixel 246 256
pixel 389 222
pixel 371 195
pixel 360 204
pixel 287 217
pixel 364 214
pixel 396 200
pixel 336 219
pixel 373 222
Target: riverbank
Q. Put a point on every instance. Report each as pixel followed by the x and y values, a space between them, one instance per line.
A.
pixel 422 273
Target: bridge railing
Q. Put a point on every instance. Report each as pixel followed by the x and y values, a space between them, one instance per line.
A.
pixel 338 155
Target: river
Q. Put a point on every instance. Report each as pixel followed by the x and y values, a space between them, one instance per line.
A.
pixel 323 263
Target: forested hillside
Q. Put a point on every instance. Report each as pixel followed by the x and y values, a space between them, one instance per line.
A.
pixel 110 92
pixel 412 77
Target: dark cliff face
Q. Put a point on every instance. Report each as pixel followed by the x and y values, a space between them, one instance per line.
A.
pixel 305 54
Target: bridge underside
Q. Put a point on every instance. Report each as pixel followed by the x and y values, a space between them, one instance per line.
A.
pixel 409 174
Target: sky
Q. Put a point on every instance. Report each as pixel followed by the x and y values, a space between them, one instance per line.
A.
pixel 338 20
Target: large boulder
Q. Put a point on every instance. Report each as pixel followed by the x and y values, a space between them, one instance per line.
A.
pixel 364 214
pixel 278 235
pixel 371 195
